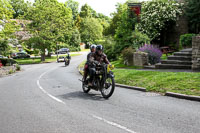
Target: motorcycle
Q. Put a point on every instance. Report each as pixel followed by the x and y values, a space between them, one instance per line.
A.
pixel 103 81
pixel 67 60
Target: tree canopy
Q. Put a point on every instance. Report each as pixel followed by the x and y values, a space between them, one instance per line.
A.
pixel 90 30
pixel 50 21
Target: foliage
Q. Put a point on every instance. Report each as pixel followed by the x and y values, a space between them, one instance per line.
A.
pixel 154 53
pixel 7 27
pixel 87 11
pixel 90 30
pixel 116 18
pixel 18 68
pixel 74 7
pixel 138 39
pixel 50 21
pixel 158 15
pixel 4 47
pixel 7 61
pixel 127 55
pixel 186 40
pixel 193 14
pixel 19 7
pixel 71 48
pixel 75 38
pixel 126 35
pixel 109 47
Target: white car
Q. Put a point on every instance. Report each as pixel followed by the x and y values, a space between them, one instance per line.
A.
pixel 61 59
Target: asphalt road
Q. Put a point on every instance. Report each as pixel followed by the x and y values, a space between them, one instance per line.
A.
pixel 48 98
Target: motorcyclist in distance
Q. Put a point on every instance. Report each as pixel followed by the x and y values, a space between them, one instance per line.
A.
pixel 98 58
pixel 86 67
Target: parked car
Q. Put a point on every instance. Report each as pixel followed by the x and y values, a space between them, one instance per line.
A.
pixel 62 51
pixel 21 55
pixel 1 56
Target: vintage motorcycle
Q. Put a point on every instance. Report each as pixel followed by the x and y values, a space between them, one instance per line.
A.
pixel 103 80
pixel 67 60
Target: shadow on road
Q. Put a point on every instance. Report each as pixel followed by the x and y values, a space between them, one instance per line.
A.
pixel 82 95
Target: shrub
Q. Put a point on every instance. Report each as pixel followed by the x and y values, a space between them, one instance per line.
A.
pixel 11 71
pixel 154 53
pixel 127 55
pixel 186 40
pixel 18 68
pixel 138 39
pixel 8 61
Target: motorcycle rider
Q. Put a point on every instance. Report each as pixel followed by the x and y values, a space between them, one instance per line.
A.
pixel 96 58
pixel 86 67
pixel 68 57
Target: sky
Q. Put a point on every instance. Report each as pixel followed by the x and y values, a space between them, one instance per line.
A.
pixel 100 6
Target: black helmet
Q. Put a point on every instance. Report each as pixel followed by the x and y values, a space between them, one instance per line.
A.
pixel 99 47
pixel 92 46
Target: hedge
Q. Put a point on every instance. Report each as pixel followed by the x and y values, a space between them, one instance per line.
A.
pixel 7 61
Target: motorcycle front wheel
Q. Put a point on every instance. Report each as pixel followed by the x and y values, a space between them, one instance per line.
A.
pixel 108 88
pixel 85 89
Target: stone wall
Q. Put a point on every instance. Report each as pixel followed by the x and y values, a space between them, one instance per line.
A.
pixel 140 59
pixel 196 53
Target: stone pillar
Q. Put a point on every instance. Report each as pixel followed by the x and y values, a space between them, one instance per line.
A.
pixel 140 58
pixel 196 53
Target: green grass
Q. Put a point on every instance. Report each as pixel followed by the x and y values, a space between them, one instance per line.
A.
pixel 119 64
pixel 38 60
pixel 164 57
pixel 85 50
pixel 179 82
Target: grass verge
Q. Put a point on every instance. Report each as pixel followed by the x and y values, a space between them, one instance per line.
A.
pixel 38 60
pixel 178 82
pixel 119 64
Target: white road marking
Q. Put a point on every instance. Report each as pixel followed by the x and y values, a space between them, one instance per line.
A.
pixel 113 124
pixel 54 98
pixel 94 116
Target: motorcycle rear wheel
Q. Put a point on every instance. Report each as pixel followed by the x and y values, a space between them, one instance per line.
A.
pixel 105 89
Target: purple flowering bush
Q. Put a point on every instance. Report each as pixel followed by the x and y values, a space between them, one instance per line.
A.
pixel 154 53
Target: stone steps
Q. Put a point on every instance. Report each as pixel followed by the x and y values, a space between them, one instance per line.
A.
pixel 181 58
pixel 182 54
pixel 172 66
pixel 176 62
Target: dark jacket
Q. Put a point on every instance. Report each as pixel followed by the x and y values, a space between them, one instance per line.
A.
pixel 100 58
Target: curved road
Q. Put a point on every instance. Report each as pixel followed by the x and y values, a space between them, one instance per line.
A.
pixel 48 98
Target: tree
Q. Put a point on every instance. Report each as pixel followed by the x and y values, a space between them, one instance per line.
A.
pixel 125 33
pixel 87 11
pixel 4 47
pixel 193 14
pixel 75 38
pixel 7 27
pixel 73 5
pixel 157 16
pixel 51 20
pixel 19 7
pixel 90 30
